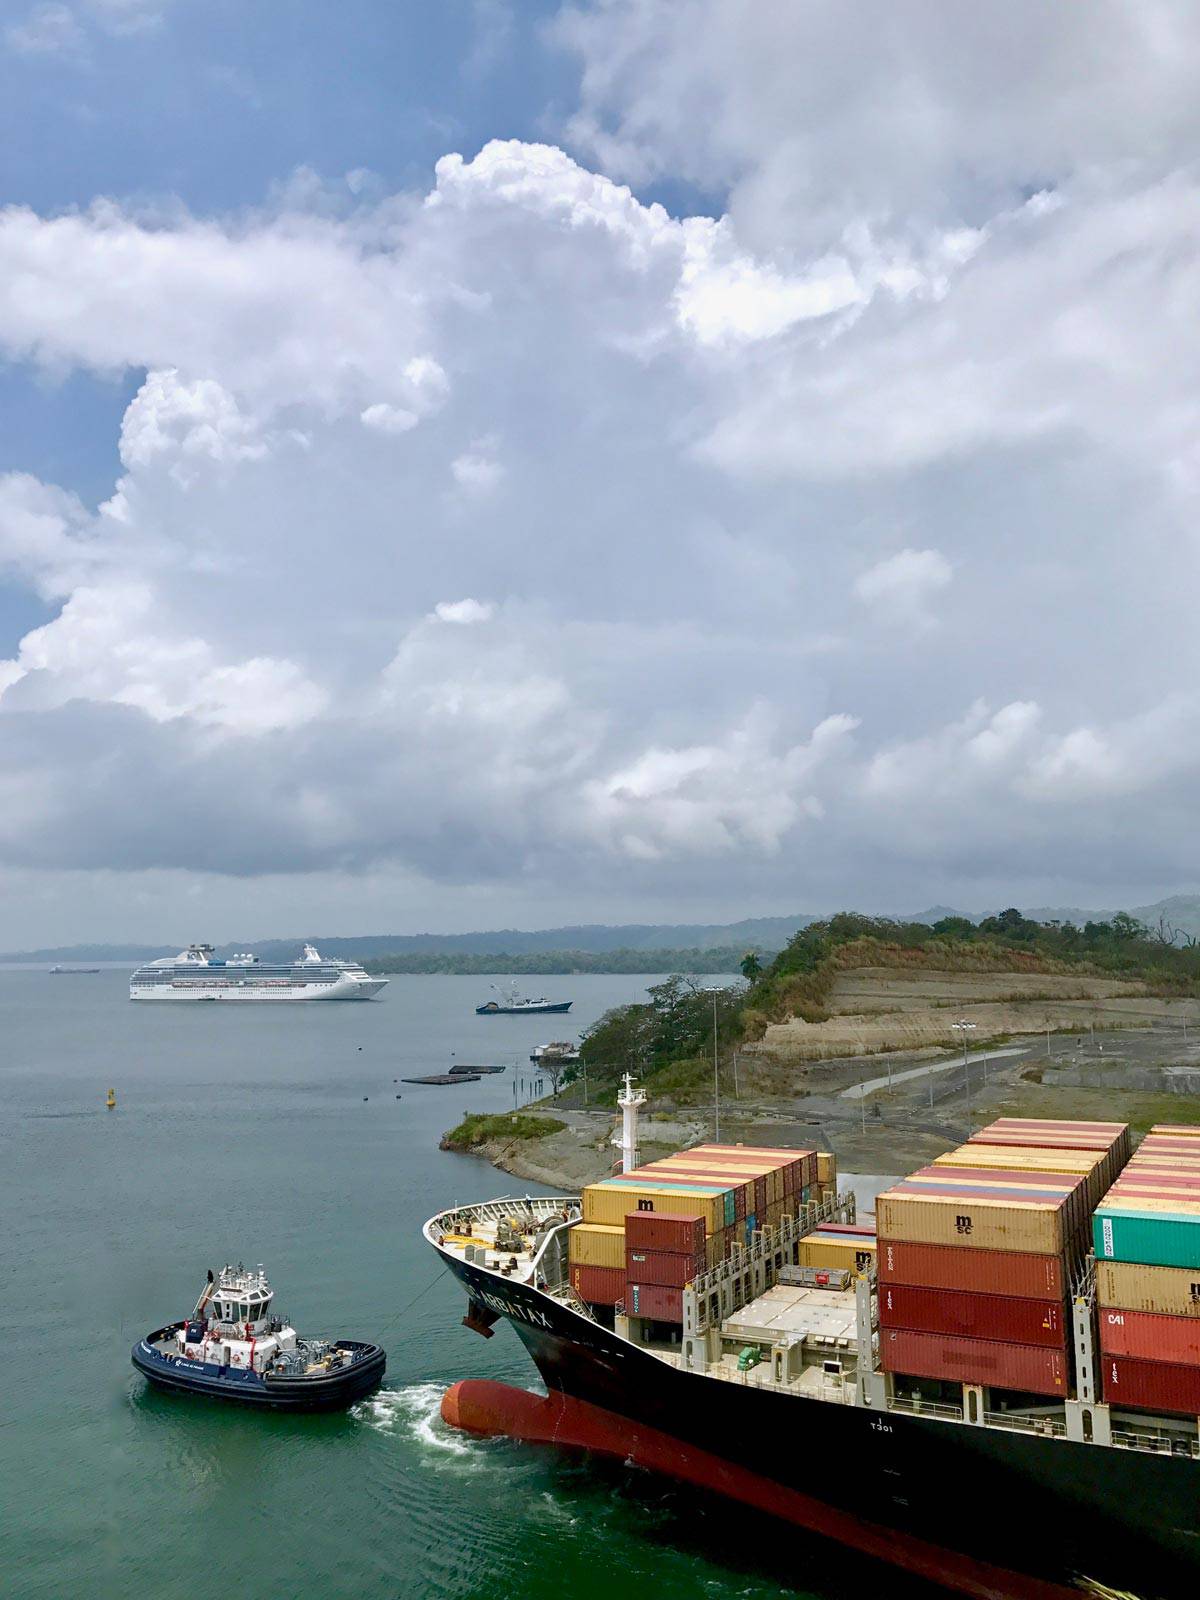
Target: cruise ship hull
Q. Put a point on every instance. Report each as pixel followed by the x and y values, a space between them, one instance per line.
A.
pixel 247 993
pixel 980 1511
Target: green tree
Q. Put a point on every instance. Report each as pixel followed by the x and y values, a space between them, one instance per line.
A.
pixel 751 966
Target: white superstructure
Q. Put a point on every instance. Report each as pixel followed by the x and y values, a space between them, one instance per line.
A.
pixel 196 974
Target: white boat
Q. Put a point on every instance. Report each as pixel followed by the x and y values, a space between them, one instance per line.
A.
pixel 196 974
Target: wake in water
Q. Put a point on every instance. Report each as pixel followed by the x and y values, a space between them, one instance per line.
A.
pixel 415 1411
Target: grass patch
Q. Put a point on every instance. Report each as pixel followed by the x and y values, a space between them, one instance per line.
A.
pixel 1140 1109
pixel 473 1131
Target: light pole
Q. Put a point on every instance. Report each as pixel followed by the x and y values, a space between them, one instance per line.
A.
pixel 715 990
pixel 962 1028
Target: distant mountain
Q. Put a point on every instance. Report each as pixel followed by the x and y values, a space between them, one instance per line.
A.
pixel 1181 911
pixel 763 933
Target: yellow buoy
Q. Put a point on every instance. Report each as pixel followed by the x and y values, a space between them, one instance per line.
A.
pixel 112 1099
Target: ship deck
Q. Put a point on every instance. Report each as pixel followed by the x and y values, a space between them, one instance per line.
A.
pixel 476 1229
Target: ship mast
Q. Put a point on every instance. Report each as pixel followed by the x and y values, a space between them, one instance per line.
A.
pixel 630 1103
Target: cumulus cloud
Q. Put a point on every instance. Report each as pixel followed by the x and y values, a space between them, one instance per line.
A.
pixel 901 588
pixel 464 612
pixel 691 461
pixel 49 29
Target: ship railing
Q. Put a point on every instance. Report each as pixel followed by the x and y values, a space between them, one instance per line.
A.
pixel 1159 1444
pixel 565 1293
pixel 925 1408
pixel 1051 1427
pixel 759 1378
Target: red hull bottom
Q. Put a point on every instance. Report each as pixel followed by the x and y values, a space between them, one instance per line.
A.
pixel 495 1409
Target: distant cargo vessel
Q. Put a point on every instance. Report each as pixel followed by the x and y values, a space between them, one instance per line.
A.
pixel 196 974
pixel 997 1390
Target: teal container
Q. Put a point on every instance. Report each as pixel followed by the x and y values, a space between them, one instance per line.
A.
pixel 1154 1238
pixel 730 1208
pixel 751 1224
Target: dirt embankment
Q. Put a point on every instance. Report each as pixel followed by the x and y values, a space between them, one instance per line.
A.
pixel 883 1009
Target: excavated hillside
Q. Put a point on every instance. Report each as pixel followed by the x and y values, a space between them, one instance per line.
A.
pixel 909 1005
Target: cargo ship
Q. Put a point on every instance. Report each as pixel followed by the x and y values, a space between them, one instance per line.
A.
pixel 995 1387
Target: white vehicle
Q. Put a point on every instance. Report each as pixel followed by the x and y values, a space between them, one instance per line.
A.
pixel 195 974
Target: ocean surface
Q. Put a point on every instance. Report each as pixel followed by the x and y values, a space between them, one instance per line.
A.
pixel 274 1134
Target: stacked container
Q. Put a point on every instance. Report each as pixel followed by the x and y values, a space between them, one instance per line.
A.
pixel 663 1253
pixel 838 1245
pixel 977 1253
pixel 1147 1242
pixel 729 1189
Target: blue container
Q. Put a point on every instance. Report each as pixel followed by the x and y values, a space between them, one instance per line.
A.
pixel 730 1208
pixel 751 1224
pixel 1153 1238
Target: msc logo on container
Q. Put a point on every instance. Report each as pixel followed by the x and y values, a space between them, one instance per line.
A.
pixel 962 1224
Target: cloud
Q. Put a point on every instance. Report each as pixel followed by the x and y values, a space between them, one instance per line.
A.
pixel 901 587
pixel 464 612
pixel 49 29
pixel 691 462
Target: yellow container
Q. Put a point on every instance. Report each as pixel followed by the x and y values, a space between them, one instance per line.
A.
pixel 596 1244
pixel 1091 1166
pixel 1177 1130
pixel 1128 1286
pixel 1029 1226
pixel 1179 1206
pixel 611 1203
pixel 826 1166
pixel 847 1251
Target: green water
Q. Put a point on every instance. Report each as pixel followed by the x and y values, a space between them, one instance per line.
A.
pixel 243 1133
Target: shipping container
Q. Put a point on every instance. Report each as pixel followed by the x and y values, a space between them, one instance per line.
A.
pixel 612 1200
pixel 1025 1367
pixel 1180 1130
pixel 596 1244
pixel 1149 1336
pixel 599 1286
pixel 864 1230
pixel 826 1166
pixel 654 1301
pixel 664 1267
pixel 836 1250
pixel 1129 1286
pixel 1152 1200
pixel 1019 1181
pixel 1155 1239
pixel 1008 1318
pixel 660 1230
pixel 954 1267
pixel 980 1222
pixel 760 1194
pixel 1087 1165
pixel 1151 1385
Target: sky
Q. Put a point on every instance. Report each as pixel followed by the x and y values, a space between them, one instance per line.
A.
pixel 515 463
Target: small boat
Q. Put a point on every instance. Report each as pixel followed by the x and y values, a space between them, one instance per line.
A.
pixel 461 1068
pixel 73 972
pixel 233 1347
pixel 559 1051
pixel 511 1005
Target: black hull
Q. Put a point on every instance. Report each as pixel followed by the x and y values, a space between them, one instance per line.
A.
pixel 559 1009
pixel 1049 1515
pixel 332 1391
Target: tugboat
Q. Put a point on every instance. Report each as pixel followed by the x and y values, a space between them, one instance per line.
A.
pixel 233 1347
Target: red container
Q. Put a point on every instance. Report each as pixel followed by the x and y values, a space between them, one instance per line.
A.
pixel 987 1361
pixel 974 1316
pixel 665 1230
pixel 860 1230
pixel 1150 1336
pixel 599 1286
pixel 655 1301
pixel 1151 1385
pixel 665 1267
pixel 947 1266
pixel 760 1196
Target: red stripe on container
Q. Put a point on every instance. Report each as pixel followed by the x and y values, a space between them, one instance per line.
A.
pixel 1000 1366
pixel 1150 1336
pixel 948 1266
pixel 1008 1318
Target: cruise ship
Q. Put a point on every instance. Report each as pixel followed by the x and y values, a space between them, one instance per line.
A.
pixel 196 974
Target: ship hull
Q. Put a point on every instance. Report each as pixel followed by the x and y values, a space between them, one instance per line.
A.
pixel 980 1511
pixel 196 989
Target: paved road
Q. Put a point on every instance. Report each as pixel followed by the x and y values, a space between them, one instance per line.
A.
pixel 859 1091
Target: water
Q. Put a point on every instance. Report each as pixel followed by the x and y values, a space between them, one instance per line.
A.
pixel 242 1132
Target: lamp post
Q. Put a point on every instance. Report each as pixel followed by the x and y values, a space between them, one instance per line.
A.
pixel 962 1028
pixel 715 991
